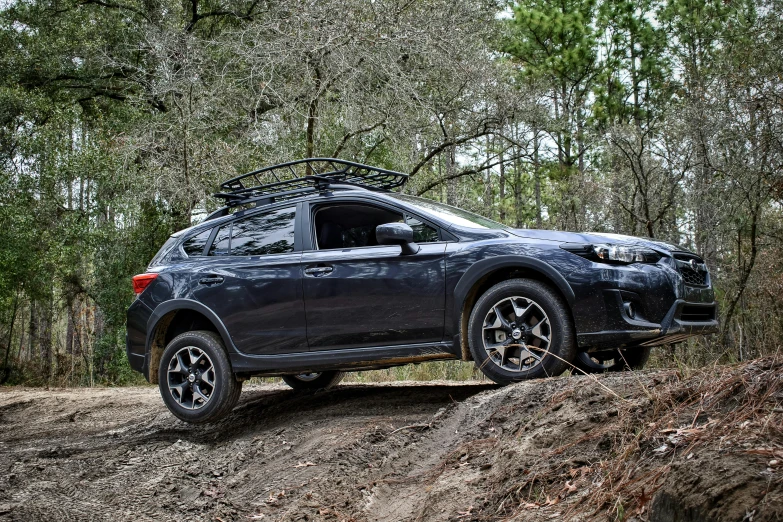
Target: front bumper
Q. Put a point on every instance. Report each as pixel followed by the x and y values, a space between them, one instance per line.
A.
pixel 684 319
pixel 641 305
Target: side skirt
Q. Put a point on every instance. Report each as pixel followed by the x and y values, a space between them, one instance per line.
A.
pixel 352 359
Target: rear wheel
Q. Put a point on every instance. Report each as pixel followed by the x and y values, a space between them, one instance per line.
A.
pixel 313 380
pixel 195 378
pixel 612 360
pixel 521 329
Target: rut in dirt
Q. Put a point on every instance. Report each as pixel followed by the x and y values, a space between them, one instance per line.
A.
pixel 637 446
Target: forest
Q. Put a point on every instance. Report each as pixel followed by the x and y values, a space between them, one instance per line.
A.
pixel 119 118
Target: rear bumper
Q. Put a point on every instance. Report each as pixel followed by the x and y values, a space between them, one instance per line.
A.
pixel 684 319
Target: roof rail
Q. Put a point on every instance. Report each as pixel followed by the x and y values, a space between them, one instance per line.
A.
pixel 297 178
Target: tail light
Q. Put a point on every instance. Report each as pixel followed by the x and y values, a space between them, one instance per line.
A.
pixel 142 281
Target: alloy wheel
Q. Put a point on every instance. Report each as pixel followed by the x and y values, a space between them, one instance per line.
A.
pixel 191 378
pixel 516 334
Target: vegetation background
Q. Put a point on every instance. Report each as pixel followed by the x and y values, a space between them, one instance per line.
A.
pixel 118 119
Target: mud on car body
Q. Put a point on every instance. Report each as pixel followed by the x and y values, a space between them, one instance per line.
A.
pixel 331 271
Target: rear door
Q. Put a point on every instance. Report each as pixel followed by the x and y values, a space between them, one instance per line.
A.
pixel 251 278
pixel 358 293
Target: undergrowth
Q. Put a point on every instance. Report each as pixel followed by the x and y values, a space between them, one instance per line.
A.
pixel 618 466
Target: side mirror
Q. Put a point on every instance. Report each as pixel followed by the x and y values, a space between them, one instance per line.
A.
pixel 397 234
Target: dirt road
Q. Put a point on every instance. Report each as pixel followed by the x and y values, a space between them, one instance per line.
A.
pixel 565 448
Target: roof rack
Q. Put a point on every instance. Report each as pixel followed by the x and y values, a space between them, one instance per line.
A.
pixel 297 178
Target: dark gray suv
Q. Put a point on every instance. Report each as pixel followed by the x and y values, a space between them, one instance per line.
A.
pixel 317 267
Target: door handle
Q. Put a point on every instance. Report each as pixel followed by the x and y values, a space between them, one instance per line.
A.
pixel 212 280
pixel 318 270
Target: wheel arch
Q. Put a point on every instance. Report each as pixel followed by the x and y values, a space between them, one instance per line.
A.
pixel 484 274
pixel 173 318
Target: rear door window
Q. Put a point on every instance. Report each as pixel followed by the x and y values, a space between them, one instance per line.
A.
pixel 262 234
pixel 257 235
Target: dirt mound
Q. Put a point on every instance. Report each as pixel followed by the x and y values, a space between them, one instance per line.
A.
pixel 647 446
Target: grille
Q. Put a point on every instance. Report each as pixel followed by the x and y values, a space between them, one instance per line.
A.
pixel 697 314
pixel 691 276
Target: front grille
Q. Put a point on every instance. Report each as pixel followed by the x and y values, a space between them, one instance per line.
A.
pixel 698 313
pixel 693 278
pixel 692 269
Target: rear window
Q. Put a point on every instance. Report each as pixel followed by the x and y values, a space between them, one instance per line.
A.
pixel 165 249
pixel 194 245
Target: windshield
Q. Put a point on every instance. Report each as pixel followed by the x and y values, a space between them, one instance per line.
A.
pixel 450 214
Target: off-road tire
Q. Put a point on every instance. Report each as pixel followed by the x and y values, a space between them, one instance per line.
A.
pixel 227 388
pixel 323 381
pixel 625 360
pixel 562 346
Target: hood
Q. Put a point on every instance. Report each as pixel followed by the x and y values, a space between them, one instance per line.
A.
pixel 598 237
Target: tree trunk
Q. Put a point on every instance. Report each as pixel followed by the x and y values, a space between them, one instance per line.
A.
pixel 537 179
pixel 488 182
pixel 451 184
pixel 502 187
pixel 517 180
pixel 312 120
pixel 6 360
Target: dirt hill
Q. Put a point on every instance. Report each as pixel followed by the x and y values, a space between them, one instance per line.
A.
pixel 655 446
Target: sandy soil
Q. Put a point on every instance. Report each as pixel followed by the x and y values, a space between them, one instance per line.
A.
pixel 566 448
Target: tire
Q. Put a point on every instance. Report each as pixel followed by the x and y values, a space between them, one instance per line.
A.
pixel 179 389
pixel 544 315
pixel 612 361
pixel 313 381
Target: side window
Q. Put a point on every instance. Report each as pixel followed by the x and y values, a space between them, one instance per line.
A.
pixel 262 234
pixel 422 233
pixel 194 246
pixel 350 225
pixel 222 242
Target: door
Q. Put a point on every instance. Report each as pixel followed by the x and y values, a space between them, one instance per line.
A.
pixel 358 293
pixel 252 279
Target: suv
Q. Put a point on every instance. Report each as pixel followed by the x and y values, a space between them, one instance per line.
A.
pixel 326 270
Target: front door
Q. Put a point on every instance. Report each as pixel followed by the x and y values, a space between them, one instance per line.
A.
pixel 358 293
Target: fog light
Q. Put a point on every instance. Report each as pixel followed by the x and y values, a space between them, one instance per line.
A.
pixel 630 310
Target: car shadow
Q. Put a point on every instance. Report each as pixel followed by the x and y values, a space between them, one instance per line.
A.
pixel 260 411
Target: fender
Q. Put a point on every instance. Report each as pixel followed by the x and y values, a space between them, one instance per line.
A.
pixel 185 304
pixel 481 268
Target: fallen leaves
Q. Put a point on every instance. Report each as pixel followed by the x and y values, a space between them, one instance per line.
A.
pixel 767 452
pixel 537 505
pixel 272 500
pixel 464 514
pixel 568 489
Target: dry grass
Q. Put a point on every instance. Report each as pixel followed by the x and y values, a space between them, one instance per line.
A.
pixel 431 371
pixel 737 406
pixel 661 420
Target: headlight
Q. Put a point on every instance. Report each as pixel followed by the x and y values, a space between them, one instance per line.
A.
pixel 609 253
pixel 626 254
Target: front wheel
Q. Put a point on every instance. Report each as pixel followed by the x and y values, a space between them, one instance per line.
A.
pixel 313 380
pixel 521 329
pixel 195 378
pixel 611 361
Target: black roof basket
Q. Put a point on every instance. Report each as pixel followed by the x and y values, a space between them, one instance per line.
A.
pixel 296 178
